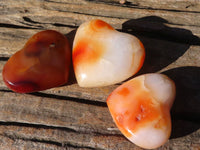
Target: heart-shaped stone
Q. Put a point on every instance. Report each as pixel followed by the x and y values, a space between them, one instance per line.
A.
pixel 141 109
pixel 42 63
pixel 103 56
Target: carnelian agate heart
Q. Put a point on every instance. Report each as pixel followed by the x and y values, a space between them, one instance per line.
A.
pixel 43 63
pixel 141 109
pixel 103 56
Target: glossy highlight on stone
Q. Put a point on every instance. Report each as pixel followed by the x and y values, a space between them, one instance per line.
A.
pixel 141 107
pixel 103 56
pixel 41 64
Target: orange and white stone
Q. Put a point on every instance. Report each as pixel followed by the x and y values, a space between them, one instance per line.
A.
pixel 141 109
pixel 103 56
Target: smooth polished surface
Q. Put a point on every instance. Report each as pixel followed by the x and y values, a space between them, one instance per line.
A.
pixel 42 63
pixel 103 56
pixel 141 109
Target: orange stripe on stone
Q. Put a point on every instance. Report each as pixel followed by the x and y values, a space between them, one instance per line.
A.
pixel 87 52
pixel 97 25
